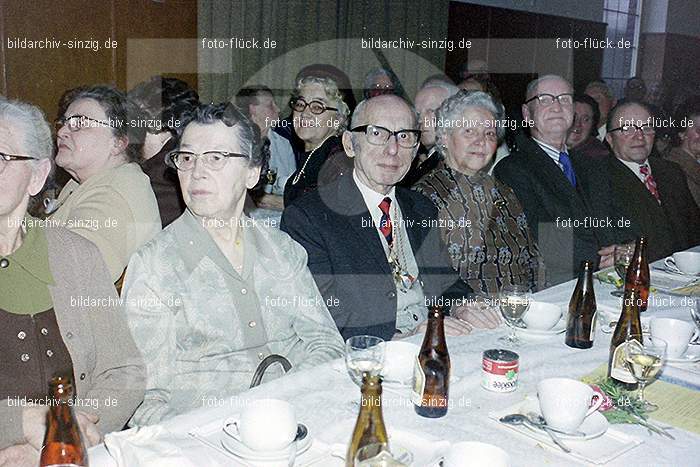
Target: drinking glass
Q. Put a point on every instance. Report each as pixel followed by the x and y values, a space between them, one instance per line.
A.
pixel 622 255
pixel 645 356
pixel 379 455
pixel 514 301
pixel 364 354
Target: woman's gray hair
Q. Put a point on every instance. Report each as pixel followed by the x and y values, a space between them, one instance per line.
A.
pixel 242 128
pixel 452 111
pixel 34 128
pixel 335 98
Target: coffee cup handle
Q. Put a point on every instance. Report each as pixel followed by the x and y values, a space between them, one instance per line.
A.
pixel 671 264
pixel 232 432
pixel 596 405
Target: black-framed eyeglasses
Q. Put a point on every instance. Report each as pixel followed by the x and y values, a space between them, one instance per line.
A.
pixel 78 122
pixel 5 158
pixel 316 107
pixel 185 160
pixel 548 99
pixel 629 130
pixel 379 136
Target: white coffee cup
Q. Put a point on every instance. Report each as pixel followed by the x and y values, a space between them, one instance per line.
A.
pixel 677 334
pixel 542 316
pixel 475 454
pixel 687 262
pixel 565 402
pixel 265 425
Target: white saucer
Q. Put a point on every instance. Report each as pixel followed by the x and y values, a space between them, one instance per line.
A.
pixel 677 272
pixel 690 356
pixel 237 448
pixel 593 426
pixel 557 329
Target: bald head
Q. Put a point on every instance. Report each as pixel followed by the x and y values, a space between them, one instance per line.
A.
pixel 365 108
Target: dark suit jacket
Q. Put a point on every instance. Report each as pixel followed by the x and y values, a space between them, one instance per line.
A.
pixel 347 259
pixel 671 226
pixel 549 200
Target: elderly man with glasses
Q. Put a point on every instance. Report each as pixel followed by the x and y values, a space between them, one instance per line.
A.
pixel 374 248
pixel 543 176
pixel 642 195
pixel 216 293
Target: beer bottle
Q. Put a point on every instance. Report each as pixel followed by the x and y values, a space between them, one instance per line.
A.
pixel 638 272
pixel 431 376
pixel 369 427
pixel 580 322
pixel 628 324
pixel 63 444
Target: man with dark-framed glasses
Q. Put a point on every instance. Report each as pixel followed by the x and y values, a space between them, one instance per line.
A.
pixel 374 248
pixel 643 195
pixel 543 176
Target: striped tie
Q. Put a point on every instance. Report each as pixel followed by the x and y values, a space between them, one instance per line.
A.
pixel 385 222
pixel 649 181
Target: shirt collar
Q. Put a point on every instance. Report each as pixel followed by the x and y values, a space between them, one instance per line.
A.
pixel 635 166
pixel 33 253
pixel 371 197
pixel 551 150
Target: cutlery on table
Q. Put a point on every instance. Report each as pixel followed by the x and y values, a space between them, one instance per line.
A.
pixel 538 418
pixel 520 419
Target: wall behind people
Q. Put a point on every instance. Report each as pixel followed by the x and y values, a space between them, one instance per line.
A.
pixel 517 46
pixel 316 31
pixel 41 75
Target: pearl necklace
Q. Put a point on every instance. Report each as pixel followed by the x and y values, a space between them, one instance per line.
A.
pixel 297 177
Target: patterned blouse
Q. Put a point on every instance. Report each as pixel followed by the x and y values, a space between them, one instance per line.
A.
pixel 484 227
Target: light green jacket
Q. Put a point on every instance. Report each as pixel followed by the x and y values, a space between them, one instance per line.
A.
pixel 204 329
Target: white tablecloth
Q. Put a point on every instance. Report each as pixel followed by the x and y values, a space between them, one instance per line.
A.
pixel 323 398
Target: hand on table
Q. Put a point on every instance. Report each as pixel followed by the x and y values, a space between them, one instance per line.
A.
pixel 607 256
pixel 34 426
pixel 478 315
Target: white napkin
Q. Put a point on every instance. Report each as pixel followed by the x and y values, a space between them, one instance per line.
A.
pixel 153 446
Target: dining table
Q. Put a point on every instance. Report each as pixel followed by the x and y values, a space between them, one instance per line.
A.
pixel 327 401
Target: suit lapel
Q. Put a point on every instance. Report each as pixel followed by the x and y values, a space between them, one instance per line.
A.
pixel 364 238
pixel 629 186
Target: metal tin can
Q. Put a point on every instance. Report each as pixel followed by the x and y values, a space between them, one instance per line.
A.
pixel 499 370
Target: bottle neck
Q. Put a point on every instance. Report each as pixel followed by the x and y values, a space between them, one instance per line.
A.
pixel 435 330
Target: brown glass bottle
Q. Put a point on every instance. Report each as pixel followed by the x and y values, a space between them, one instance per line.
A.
pixel 63 444
pixel 431 377
pixel 580 322
pixel 638 272
pixel 369 427
pixel 628 324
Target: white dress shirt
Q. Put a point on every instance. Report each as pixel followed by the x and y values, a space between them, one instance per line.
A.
pixel 552 151
pixel 634 167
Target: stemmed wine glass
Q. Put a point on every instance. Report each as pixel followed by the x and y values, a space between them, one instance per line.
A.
pixel 364 354
pixel 622 256
pixel 645 356
pixel 514 301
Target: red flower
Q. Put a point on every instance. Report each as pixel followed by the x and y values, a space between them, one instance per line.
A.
pixel 607 404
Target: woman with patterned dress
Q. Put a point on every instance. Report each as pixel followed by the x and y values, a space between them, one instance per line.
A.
pixel 482 223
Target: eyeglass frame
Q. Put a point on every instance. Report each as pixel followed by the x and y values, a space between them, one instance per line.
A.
pixel 624 128
pixel 554 98
pixel 308 104
pixel 61 122
pixel 171 163
pixel 364 128
pixel 13 157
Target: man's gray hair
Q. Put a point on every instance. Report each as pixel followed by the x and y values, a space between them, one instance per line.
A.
pixel 450 88
pixel 33 127
pixel 601 86
pixel 532 85
pixel 452 111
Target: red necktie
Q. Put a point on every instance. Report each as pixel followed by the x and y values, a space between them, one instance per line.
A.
pixel 649 181
pixel 385 222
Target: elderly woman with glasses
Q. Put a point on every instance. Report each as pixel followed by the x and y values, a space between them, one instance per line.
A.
pixel 319 116
pixel 216 293
pixel 487 235
pixel 109 200
pixel 59 311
